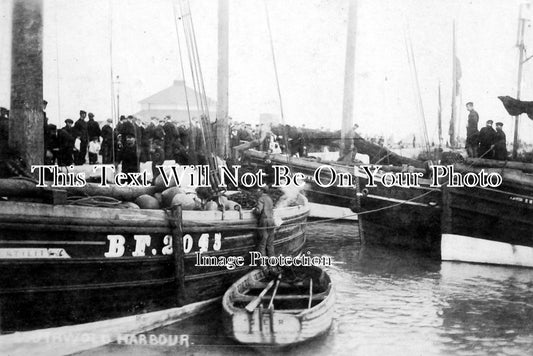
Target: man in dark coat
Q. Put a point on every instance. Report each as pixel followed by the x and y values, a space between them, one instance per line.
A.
pixel 171 135
pixel 66 137
pixel 93 128
pixel 500 143
pixel 486 140
pixel 107 142
pixel 81 131
pixel 472 132
pixel 128 154
pixel 265 212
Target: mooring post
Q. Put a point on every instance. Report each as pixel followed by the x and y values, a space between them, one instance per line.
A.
pixel 179 256
pixel 26 124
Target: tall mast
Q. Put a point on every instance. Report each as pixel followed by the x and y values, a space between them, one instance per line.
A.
pixel 222 134
pixel 26 122
pixel 440 118
pixel 349 76
pixel 451 130
pixel 521 53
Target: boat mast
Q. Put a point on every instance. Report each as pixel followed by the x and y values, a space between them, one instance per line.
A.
pixel 26 121
pixel 440 118
pixel 451 130
pixel 222 129
pixel 521 53
pixel 349 75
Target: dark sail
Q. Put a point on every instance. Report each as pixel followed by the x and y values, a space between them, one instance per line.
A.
pixel 516 107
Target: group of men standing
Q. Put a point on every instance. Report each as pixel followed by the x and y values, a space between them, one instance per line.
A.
pixel 130 143
pixel 487 142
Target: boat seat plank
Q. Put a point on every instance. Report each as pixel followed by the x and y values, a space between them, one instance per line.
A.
pixel 247 298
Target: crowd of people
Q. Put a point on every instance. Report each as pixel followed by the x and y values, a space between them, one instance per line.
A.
pixel 130 143
pixel 485 143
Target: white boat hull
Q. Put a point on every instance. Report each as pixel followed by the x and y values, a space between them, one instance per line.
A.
pixel 469 249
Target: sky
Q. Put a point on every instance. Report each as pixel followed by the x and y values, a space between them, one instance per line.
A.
pixel 309 39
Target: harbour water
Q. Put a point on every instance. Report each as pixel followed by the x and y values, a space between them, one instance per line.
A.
pixel 388 303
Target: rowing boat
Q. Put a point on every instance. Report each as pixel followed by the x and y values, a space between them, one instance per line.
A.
pixel 294 307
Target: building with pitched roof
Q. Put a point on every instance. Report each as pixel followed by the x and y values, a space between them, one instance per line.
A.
pixel 173 101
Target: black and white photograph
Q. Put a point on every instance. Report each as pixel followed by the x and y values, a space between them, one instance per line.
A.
pixel 273 177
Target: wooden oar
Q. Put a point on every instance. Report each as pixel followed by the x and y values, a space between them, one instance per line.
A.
pixel 271 304
pixel 254 303
pixel 310 293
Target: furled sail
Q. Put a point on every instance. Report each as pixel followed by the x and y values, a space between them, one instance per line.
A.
pixel 516 107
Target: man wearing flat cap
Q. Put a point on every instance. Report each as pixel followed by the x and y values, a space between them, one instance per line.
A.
pixel 93 128
pixel 66 138
pixel 500 143
pixel 472 132
pixel 81 131
pixel 486 140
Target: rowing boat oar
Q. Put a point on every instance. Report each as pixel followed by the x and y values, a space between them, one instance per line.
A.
pixel 254 303
pixel 271 304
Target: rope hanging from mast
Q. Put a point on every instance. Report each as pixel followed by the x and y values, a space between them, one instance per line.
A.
pixel 112 84
pixel 416 85
pixel 199 88
pixel 285 133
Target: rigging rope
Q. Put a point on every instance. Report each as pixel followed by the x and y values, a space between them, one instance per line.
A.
pixel 285 133
pixel 181 63
pixel 112 85
pixel 414 73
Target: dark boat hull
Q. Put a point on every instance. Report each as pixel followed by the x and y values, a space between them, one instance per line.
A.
pixel 492 226
pixel 62 265
pixel 406 218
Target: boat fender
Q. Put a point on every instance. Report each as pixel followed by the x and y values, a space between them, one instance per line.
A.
pixel 146 201
pixel 168 195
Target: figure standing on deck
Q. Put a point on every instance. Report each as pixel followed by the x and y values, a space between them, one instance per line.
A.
pixel 107 143
pixel 81 131
pixel 500 142
pixel 66 138
pixel 472 133
pixel 486 139
pixel 93 128
pixel 265 212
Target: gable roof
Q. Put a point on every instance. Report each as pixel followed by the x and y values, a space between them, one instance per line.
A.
pixel 175 94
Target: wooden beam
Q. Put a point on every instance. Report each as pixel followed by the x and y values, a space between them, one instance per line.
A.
pixel 26 124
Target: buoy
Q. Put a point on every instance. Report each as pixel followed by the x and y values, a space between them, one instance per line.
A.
pixel 160 183
pixel 231 205
pixel 211 205
pixel 146 201
pixel 168 195
pixel 186 201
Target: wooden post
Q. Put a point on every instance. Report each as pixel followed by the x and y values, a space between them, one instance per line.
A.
pixel 179 256
pixel 222 129
pixel 453 119
pixel 521 51
pixel 349 76
pixel 26 124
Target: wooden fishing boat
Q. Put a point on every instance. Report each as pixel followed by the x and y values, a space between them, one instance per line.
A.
pixel 294 307
pixel 489 225
pixel 68 264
